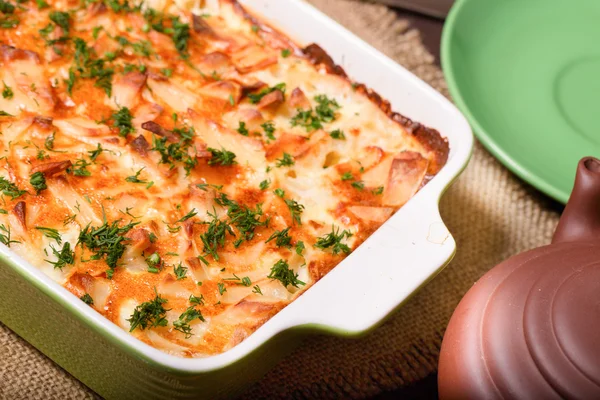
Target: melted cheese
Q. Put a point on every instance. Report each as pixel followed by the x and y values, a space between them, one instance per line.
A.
pixel 351 183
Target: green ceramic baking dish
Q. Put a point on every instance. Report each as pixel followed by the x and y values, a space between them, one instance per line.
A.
pixel 401 256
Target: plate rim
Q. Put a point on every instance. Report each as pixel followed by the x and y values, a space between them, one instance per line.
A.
pixel 485 138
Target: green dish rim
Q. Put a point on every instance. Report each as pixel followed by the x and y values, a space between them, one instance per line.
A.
pixel 484 137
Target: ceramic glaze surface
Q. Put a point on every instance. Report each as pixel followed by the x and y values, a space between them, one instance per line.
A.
pixel 525 73
pixel 530 327
pixel 529 346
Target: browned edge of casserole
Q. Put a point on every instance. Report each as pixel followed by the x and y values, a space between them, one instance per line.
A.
pixel 428 137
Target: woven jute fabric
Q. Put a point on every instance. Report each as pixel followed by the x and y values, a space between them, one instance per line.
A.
pixel 490 212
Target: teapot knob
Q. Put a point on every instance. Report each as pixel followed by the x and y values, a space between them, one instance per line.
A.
pixel 581 217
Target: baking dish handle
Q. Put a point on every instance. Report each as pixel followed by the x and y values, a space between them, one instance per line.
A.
pixel 381 274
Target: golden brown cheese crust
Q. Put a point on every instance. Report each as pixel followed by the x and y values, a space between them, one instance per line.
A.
pixel 429 137
pixel 186 174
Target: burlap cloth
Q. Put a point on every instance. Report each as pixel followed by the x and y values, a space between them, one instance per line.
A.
pixel 490 212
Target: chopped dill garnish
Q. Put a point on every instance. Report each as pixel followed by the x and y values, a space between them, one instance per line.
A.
pixel 180 36
pixel 299 247
pixel 242 130
pixel 222 288
pixel 8 23
pixel 221 157
pixel 49 142
pixel 176 152
pixel 307 120
pixel 337 134
pixel 64 256
pixel 94 154
pixel 154 263
pixel 106 241
pixel 117 7
pixel 214 237
pixel 313 119
pixel 245 281
pixel 122 120
pixel 180 271
pixel 360 185
pixel 189 215
pixel 38 181
pixel 326 108
pixel 179 31
pixel 285 161
pixel 197 300
pixel 7 92
pixel 377 191
pixel 50 233
pixel 5 236
pixel 264 185
pixel 333 240
pixel 204 186
pixel 136 179
pixel 296 210
pixel 89 67
pixel 60 19
pixel 80 168
pixel 183 323
pixel 6 7
pixel 245 219
pixel 282 272
pixel 142 48
pixel 256 289
pixel 149 314
pixel 10 189
pixel 96 30
pixel 87 299
pixel 269 128
pixel 346 176
pixel 282 238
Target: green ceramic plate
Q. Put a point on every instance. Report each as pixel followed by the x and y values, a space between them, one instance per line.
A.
pixel 526 73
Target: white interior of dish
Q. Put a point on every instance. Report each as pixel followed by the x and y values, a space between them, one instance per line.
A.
pixel 394 262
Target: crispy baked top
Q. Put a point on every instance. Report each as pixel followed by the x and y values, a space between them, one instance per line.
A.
pixel 185 169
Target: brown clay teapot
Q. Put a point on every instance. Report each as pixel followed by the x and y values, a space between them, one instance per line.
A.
pixel 530 327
